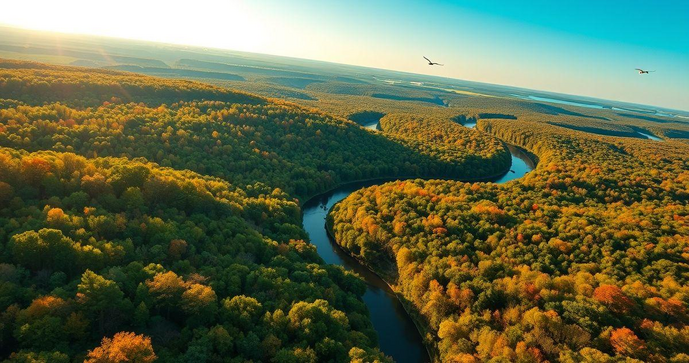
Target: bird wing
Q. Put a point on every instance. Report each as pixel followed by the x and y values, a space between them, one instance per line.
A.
pixel 651 71
pixel 639 69
pixel 424 57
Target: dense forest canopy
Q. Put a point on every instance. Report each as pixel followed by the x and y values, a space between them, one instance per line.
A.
pixel 160 219
pixel 163 216
pixel 584 259
pixel 101 245
pixel 241 138
pixel 450 141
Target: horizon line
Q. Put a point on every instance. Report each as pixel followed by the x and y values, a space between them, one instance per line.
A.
pixel 148 41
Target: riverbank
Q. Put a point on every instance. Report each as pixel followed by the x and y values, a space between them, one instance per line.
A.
pixel 380 180
pixel 387 306
pixel 418 320
pixel 393 316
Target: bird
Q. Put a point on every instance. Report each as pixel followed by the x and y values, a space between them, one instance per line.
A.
pixel 641 71
pixel 431 63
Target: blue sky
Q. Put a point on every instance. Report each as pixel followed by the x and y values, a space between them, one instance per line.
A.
pixel 579 47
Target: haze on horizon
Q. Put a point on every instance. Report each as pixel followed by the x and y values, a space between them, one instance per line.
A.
pixel 584 48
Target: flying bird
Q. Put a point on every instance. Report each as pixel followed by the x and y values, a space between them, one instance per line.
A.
pixel 641 71
pixel 431 63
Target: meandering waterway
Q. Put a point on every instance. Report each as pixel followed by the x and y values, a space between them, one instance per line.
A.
pixel 398 336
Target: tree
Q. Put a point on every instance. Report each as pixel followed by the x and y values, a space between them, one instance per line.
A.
pixel 100 297
pixel 626 343
pixel 123 347
pixel 221 340
pixel 200 300
pixel 176 249
pixel 242 311
pixel 141 315
pixel 299 355
pixel 45 333
pixel 34 169
pixel 47 248
pixel 613 297
pixel 166 289
pixel 133 198
pixel 6 192
pixel 38 357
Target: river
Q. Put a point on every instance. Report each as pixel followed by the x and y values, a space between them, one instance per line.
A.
pixel 372 125
pixel 397 334
pixel 649 136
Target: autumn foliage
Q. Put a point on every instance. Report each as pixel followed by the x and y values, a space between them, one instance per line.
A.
pixel 123 347
pixel 583 259
pixel 626 343
pixel 613 297
pixel 162 215
pixel 161 218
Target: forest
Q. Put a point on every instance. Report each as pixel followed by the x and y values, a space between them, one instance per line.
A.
pixel 583 259
pixel 163 259
pixel 160 219
pixel 144 217
pixel 242 138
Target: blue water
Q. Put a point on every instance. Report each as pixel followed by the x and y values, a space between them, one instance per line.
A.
pixel 397 334
pixel 649 136
pixel 373 125
pixel 562 102
pixel 521 164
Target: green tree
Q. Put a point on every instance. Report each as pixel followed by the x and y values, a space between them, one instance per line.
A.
pixel 100 297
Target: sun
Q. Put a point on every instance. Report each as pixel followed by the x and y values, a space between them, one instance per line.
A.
pixel 230 24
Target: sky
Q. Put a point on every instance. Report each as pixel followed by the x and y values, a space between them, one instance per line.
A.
pixel 584 47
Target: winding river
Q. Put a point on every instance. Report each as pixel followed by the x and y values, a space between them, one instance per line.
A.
pixel 397 334
pixel 649 136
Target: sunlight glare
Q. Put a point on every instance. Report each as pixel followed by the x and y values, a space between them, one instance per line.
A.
pixel 227 24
